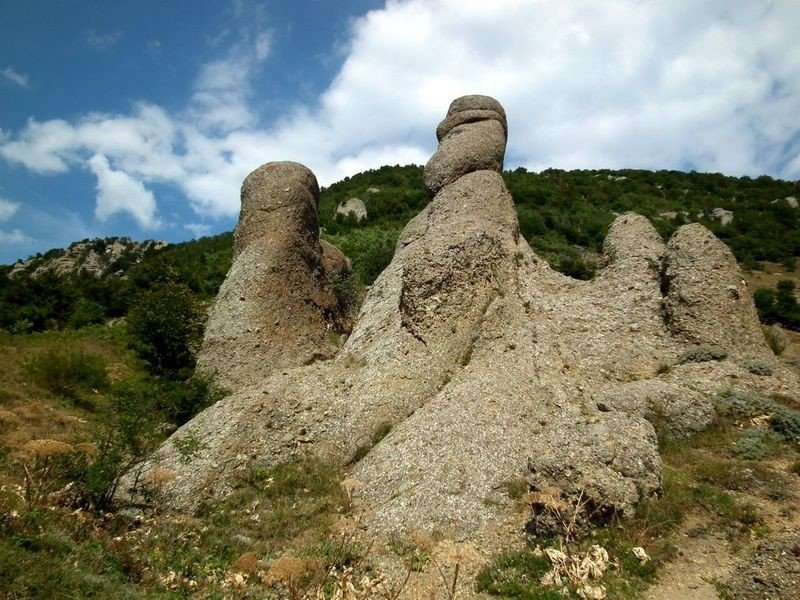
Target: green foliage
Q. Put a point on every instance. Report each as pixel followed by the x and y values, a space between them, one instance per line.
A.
pixel 67 373
pixel 775 338
pixel 131 433
pixel 165 326
pixel 701 354
pixel 86 312
pixel 517 575
pixel 370 250
pixel 179 401
pixel 188 447
pixel 779 305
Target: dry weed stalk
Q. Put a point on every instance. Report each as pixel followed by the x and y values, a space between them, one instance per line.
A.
pixel 44 453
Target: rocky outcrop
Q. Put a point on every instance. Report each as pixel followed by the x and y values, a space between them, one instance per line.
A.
pixel 725 217
pixel 100 257
pixel 483 364
pixel 276 307
pixel 707 302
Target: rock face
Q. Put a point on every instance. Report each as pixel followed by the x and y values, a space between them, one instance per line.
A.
pixel 276 306
pixel 725 217
pixel 706 300
pixel 487 366
pixel 472 137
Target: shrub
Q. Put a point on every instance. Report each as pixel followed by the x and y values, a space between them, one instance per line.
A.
pixel 758 366
pixel 129 434
pixel 741 405
pixel 86 313
pixel 68 373
pixel 179 401
pixel 776 339
pixel 165 328
pixel 756 443
pixel 701 354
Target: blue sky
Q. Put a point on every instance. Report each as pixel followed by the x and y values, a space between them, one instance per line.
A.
pixel 141 118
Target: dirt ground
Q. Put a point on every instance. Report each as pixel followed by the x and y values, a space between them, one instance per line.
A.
pixel 707 558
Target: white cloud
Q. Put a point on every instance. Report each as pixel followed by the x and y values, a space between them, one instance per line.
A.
pixel 7 209
pixel 119 192
pixel 198 230
pixel 102 41
pixel 621 83
pixel 14 77
pixel 14 237
pixel 42 147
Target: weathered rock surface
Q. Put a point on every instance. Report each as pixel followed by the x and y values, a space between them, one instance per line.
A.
pixel 472 137
pixel 676 410
pixel 725 217
pixel 487 365
pixel 276 306
pixel 706 300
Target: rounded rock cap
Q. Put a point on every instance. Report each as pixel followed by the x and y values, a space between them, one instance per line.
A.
pixel 471 109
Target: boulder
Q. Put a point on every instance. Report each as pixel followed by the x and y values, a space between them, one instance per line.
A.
pixel 472 137
pixel 354 207
pixel 676 411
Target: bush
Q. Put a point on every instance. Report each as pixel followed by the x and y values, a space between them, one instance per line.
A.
pixel 701 354
pixel 86 313
pixel 370 250
pixel 756 443
pixel 166 327
pixel 758 366
pixel 70 374
pixel 131 432
pixel 741 405
pixel 179 401
pixel 776 339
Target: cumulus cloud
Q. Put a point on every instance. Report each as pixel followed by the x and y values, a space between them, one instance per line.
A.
pixel 14 77
pixel 713 86
pixel 7 209
pixel 118 192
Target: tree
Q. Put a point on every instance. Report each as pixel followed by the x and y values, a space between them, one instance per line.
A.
pixel 165 327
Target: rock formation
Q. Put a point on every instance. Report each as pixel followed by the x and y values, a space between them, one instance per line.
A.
pixel 276 307
pixel 488 366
